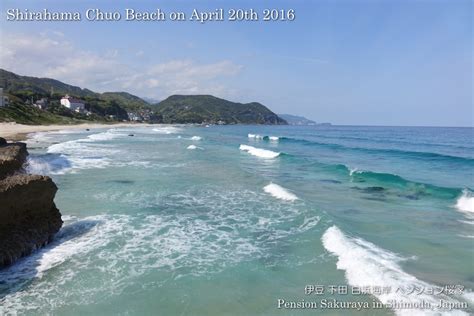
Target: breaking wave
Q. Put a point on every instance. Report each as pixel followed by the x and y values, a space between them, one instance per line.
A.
pixel 82 155
pixel 167 130
pixel 108 135
pixel 465 205
pixel 259 152
pixel 192 147
pixel 48 164
pixel 390 180
pixel 279 192
pixel 257 137
pixel 90 152
pixel 367 265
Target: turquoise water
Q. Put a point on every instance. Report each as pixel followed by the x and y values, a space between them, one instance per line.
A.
pixel 181 220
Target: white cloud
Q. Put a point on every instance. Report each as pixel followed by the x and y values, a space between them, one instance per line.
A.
pixel 52 55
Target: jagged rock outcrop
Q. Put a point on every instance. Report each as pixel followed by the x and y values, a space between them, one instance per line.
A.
pixel 29 218
pixel 12 157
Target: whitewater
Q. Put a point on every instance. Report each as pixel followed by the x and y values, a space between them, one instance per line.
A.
pixel 189 220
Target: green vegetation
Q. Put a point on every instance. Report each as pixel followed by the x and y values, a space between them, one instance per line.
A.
pixel 209 109
pixel 24 91
pixel 132 102
pixel 25 114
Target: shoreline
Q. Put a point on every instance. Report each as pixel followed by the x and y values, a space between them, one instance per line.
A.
pixel 19 132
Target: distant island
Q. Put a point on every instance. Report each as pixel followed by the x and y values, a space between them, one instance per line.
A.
pixel 31 100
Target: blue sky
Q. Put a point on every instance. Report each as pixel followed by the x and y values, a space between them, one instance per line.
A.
pixel 345 62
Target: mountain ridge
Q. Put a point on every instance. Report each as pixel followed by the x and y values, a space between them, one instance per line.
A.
pixel 214 110
pixel 24 91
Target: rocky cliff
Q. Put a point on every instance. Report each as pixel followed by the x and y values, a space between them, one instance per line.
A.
pixel 29 218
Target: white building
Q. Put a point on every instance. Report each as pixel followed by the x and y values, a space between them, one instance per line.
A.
pixel 73 104
pixel 41 104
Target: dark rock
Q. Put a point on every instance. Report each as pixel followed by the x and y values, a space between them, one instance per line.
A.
pixel 374 198
pixel 330 181
pixel 122 181
pixel 12 158
pixel 409 196
pixel 374 189
pixel 3 141
pixel 370 189
pixel 28 216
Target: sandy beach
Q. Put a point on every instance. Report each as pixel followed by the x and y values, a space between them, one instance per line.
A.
pixel 13 131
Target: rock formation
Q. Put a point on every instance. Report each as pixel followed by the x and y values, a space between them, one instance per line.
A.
pixel 29 218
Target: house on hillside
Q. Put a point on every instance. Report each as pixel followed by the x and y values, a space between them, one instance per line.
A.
pixel 75 105
pixel 41 104
pixel 134 117
pixel 3 98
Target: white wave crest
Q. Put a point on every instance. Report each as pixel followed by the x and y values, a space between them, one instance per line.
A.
pixel 258 137
pixel 167 130
pixel 365 264
pixel 84 153
pixel 279 192
pixel 193 147
pixel 352 171
pixel 108 135
pixel 255 136
pixel 82 156
pixel 72 239
pixel 465 202
pixel 196 138
pixel 259 152
pixel 48 164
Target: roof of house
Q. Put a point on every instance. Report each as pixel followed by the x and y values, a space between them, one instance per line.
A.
pixel 71 100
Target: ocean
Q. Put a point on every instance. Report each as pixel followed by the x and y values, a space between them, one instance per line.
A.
pixel 253 220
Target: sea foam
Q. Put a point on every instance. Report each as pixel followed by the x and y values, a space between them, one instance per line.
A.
pixel 196 138
pixel 465 202
pixel 167 130
pixel 259 152
pixel 108 135
pixel 258 137
pixel 192 147
pixel 255 136
pixel 83 153
pixel 108 252
pixel 48 164
pixel 367 265
pixel 279 192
